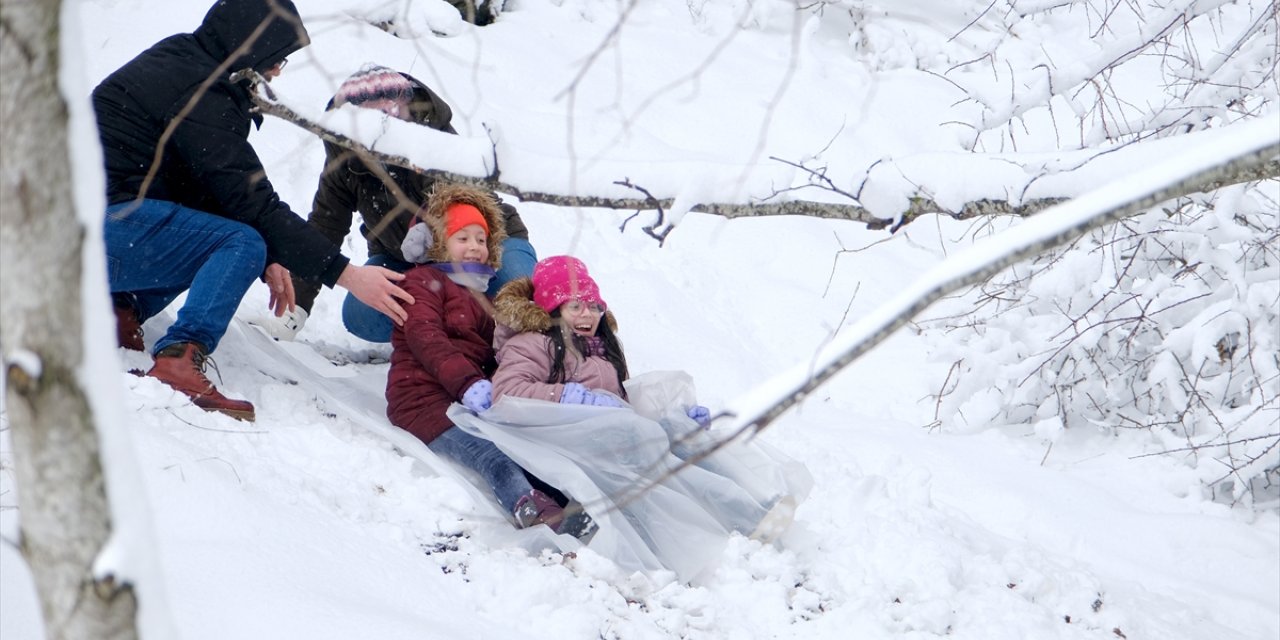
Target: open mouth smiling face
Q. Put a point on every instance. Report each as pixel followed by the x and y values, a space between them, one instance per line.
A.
pixel 583 318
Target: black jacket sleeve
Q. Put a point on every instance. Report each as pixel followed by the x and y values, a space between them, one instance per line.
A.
pixel 515 226
pixel 331 213
pixel 336 196
pixel 212 141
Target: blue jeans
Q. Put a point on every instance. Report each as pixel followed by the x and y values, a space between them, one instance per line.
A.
pixel 362 320
pixel 157 249
pixel 504 476
pixel 366 323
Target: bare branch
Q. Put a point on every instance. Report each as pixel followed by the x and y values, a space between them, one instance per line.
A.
pixel 652 230
pixel 1199 181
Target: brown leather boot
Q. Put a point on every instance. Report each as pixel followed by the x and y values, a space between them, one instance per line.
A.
pixel 181 366
pixel 128 328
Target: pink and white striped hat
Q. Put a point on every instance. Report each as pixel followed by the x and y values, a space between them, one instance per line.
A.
pixel 373 82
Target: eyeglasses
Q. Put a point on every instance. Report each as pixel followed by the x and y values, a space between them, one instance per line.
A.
pixel 282 64
pixel 576 307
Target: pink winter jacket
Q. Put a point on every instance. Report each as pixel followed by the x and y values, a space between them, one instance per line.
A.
pixel 524 362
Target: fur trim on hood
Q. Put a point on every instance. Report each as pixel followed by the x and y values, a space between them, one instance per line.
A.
pixel 445 194
pixel 514 307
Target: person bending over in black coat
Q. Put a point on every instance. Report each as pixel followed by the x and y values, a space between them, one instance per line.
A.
pixel 189 205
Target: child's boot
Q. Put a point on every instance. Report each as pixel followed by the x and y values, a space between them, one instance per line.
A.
pixel 578 523
pixel 538 508
pixel 776 521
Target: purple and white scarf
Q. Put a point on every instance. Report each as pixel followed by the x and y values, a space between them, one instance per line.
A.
pixel 472 275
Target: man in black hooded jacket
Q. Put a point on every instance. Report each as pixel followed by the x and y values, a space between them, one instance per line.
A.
pixel 189 205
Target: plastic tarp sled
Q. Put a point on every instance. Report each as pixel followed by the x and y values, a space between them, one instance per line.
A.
pixel 621 464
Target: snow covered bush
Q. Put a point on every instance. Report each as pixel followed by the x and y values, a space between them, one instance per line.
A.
pixel 1088 71
pixel 1166 322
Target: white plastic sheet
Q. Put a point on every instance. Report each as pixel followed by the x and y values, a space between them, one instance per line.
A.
pixel 603 457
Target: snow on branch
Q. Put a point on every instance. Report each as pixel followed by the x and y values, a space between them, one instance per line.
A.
pixel 266 103
pixel 1213 63
pixel 918 205
pixel 1241 150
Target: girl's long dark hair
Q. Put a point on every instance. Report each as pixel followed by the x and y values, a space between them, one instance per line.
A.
pixel 612 349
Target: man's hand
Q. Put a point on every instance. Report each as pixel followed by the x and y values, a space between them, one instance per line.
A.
pixel 281 286
pixel 375 287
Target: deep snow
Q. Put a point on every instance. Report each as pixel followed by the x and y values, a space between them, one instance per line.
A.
pixel 311 523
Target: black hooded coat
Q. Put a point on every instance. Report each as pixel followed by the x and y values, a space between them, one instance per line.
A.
pixel 181 87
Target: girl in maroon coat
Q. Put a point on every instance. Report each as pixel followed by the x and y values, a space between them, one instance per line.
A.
pixel 443 353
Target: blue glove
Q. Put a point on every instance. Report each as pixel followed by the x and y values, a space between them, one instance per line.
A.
pixel 604 400
pixel 575 393
pixel 700 415
pixel 479 396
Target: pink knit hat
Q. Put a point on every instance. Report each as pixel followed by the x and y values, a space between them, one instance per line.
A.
pixel 373 82
pixel 559 279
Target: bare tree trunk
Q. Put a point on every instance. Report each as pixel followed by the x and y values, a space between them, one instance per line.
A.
pixel 65 519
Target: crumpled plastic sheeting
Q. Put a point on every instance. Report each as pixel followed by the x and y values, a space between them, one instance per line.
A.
pixel 603 457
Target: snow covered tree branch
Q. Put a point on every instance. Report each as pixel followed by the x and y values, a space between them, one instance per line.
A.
pixel 1250 145
pixel 1207 62
pixel 918 205
pixel 267 104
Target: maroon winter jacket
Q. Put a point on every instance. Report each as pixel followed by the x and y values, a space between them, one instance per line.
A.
pixel 443 347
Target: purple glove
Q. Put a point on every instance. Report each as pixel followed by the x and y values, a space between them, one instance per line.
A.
pixel 604 400
pixel 700 415
pixel 479 396
pixel 575 393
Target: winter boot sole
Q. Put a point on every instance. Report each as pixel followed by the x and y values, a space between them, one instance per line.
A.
pixel 238 414
pixel 578 523
pixel 776 521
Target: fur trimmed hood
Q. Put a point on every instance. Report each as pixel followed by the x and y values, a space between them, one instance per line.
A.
pixel 445 194
pixel 514 307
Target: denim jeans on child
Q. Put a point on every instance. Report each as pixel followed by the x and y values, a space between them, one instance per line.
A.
pixel 366 323
pixel 504 476
pixel 157 249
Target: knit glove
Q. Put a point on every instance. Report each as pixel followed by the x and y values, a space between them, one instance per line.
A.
pixel 479 396
pixel 417 242
pixel 575 393
pixel 700 415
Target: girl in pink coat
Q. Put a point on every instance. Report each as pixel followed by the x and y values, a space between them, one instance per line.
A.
pixel 564 348
pixel 556 342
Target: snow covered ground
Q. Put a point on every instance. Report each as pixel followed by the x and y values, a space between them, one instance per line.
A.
pixel 319 522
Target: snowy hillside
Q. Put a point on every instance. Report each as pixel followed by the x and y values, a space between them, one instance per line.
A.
pixel 322 521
